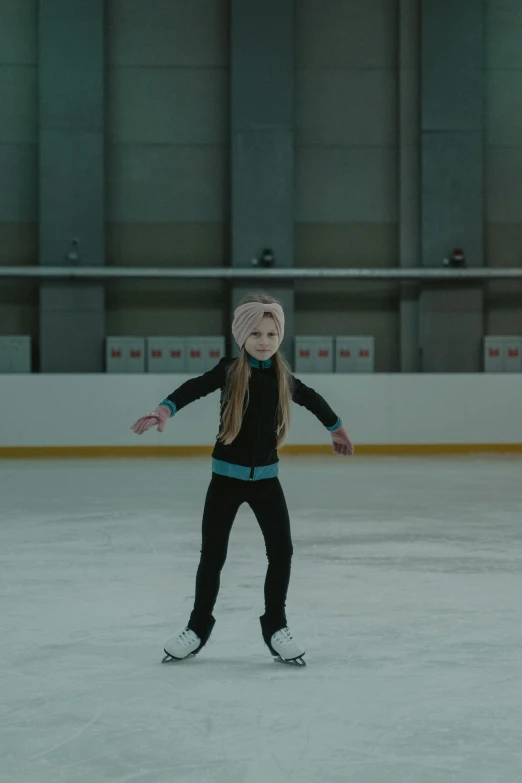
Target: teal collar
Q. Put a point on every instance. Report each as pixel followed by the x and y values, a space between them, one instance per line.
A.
pixel 259 365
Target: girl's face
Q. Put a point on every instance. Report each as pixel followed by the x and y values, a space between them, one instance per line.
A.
pixel 264 341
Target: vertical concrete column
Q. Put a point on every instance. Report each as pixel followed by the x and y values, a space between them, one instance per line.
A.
pixel 409 177
pixel 262 144
pixel 452 88
pixel 71 180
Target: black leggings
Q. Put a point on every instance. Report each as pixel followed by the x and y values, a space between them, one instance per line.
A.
pixel 266 499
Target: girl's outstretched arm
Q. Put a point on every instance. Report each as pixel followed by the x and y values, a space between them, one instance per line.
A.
pixel 186 393
pixel 198 387
pixel 316 404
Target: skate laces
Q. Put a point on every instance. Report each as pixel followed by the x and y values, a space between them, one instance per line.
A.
pixel 283 637
pixel 187 637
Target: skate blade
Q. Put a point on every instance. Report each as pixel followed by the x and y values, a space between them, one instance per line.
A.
pixel 170 658
pixel 299 662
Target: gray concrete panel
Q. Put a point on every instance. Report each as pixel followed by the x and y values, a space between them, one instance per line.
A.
pixel 71 37
pixel 452 64
pixel 503 171
pixel 18 245
pixel 265 32
pixel 504 249
pixel 71 100
pixel 71 196
pixel 18 102
pixel 452 120
pixel 71 179
pixel 452 197
pixel 503 311
pixel 346 34
pixel 168 34
pixel 503 115
pixel 72 341
pixel 410 109
pixel 18 31
pixel 261 67
pixel 346 107
pixel 452 329
pixel 262 98
pixel 19 308
pixel 19 182
pixel 408 34
pixel 409 179
pixel 262 196
pixel 161 183
pixel 167 106
pixel 347 184
pixel 193 244
pixel 60 296
pixel 347 245
pixel 503 33
pixel 174 307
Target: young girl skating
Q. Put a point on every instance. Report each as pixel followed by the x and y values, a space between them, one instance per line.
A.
pixel 256 392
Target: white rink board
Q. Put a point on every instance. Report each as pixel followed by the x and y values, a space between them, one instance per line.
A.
pixel 98 410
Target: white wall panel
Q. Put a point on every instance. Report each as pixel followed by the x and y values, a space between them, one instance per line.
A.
pixel 97 410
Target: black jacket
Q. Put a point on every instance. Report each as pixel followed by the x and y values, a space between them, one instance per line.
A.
pixel 255 444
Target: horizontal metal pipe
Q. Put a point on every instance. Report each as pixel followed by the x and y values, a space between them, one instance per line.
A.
pixel 235 273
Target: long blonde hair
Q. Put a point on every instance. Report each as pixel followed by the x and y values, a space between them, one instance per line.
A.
pixel 236 396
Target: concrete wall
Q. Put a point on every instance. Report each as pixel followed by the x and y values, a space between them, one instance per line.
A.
pixel 503 161
pixel 347 166
pixel 167 176
pixel 97 410
pixel 18 162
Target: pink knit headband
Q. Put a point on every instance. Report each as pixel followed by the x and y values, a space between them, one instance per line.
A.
pixel 247 317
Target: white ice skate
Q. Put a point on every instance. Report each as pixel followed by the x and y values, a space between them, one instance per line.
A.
pixel 286 648
pixel 182 646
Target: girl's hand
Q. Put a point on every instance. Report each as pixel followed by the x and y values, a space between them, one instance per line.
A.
pixel 159 417
pixel 341 443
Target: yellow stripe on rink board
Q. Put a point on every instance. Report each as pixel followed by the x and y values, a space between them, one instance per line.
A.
pixel 434 449
pixel 126 452
pixel 101 452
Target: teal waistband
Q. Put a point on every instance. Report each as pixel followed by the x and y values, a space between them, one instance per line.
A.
pixel 243 473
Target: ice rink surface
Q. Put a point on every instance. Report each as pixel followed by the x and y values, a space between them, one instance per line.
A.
pixel 406 592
